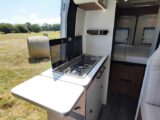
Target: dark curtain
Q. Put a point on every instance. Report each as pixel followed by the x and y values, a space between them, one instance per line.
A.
pixel 71 21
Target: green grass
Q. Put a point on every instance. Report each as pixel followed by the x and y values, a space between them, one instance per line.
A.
pixel 14 69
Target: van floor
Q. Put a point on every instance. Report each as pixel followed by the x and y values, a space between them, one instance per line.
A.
pixel 119 107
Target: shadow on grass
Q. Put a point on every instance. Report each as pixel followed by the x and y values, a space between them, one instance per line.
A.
pixel 6 102
pixel 38 60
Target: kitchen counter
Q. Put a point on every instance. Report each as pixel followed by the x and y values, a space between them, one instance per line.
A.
pixel 75 80
pixel 58 96
pixel 131 54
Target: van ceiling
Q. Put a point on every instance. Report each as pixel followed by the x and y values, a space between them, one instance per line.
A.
pixel 137 3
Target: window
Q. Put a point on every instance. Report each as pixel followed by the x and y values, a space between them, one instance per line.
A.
pixel 148 34
pixel 122 35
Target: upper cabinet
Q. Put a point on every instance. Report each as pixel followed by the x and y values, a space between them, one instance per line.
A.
pixel 91 4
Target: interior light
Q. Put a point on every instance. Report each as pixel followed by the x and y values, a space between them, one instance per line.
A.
pixel 125 0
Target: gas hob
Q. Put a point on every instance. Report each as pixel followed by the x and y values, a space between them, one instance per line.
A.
pixel 78 67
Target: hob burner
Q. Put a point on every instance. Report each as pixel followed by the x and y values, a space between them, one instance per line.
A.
pixel 80 66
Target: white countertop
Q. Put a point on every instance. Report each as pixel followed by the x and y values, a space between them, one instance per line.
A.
pixel 57 96
pixel 79 81
pixel 131 54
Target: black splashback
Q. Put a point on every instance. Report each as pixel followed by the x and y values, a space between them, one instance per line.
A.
pixel 73 49
pixel 77 46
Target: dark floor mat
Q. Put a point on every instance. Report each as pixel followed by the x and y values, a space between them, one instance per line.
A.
pixel 119 107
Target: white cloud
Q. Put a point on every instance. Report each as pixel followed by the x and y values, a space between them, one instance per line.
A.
pixel 32 18
pixel 18 19
pixel 22 11
pixel 4 21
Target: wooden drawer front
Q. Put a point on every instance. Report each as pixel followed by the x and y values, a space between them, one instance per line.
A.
pixel 126 78
pixel 125 87
pixel 134 74
pixel 131 73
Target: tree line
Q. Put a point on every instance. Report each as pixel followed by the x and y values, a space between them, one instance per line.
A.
pixel 27 27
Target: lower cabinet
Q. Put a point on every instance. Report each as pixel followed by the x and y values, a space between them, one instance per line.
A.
pixel 89 105
pixel 93 104
pixel 94 97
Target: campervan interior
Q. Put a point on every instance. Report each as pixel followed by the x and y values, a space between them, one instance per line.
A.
pixel 120 38
pixel 134 36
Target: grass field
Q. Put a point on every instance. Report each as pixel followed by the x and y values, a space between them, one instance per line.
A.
pixel 14 69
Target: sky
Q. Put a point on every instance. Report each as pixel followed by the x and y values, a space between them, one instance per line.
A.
pixel 34 11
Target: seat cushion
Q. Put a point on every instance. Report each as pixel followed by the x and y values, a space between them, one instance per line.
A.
pixel 152 95
pixel 150 112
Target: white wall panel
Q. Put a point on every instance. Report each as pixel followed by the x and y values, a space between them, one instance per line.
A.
pixel 79 22
pixel 157 31
pixel 100 44
pixel 99 19
pixel 144 21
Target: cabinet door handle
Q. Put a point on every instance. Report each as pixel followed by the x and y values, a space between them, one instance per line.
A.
pixel 103 69
pixel 99 76
pixel 101 72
